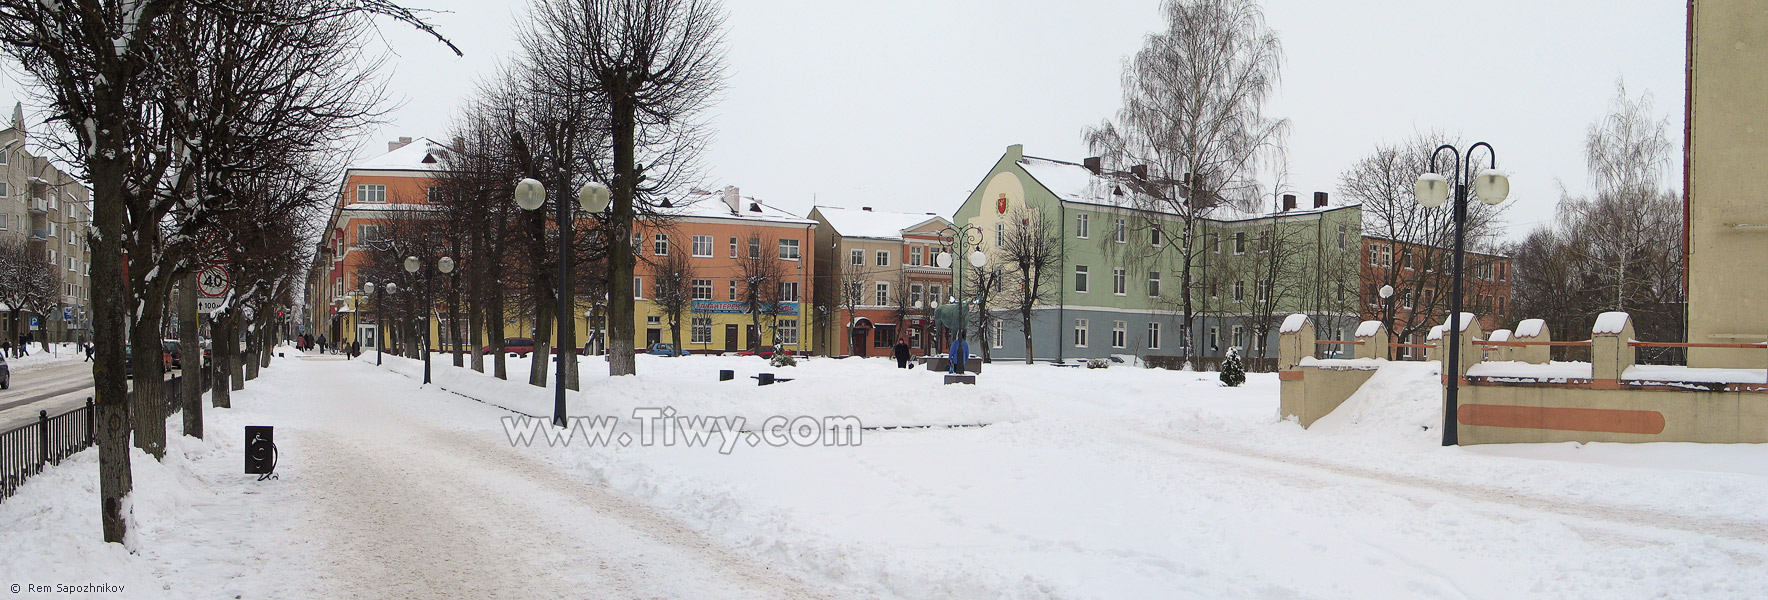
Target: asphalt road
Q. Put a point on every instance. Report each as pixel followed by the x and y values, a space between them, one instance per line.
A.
pixel 55 388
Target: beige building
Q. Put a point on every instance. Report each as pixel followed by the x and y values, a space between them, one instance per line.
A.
pixel 51 211
pixel 876 282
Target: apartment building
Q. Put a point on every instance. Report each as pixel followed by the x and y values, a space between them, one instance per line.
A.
pixel 876 281
pixel 50 211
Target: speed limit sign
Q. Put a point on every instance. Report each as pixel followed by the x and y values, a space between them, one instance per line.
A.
pixel 213 282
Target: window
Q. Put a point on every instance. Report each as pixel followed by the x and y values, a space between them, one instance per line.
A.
pixel 789 249
pixel 1119 333
pixel 52 256
pixel 1406 258
pixel 1239 336
pixel 1374 256
pixel 1212 289
pixel 883 258
pixel 1080 226
pixel 914 337
pixel 4 186
pixel 1218 242
pixel 755 248
pixel 702 289
pixel 52 225
pixel 1239 290
pixel 703 246
pixel 856 258
pixel 1264 241
pixel 369 193
pixel 660 246
pixel 1343 234
pixel 788 291
pixel 883 296
pixel 1340 295
pixel 1080 333
pixel 1154 284
pixel 435 194
pixel 3 157
pixel 1118 281
pixel 700 329
pixel 933 297
pixel 1503 274
pixel 3 218
pixel 1429 298
pixel 1258 291
pixel 996 333
pixel 1080 278
pixel 733 295
pixel 1153 335
pixel 638 288
pixel 915 256
pixel 653 320
pixel 1119 232
pixel 787 331
pixel 1387 256
pixel 915 294
pixel 1240 242
pixel 73 265
pixel 733 247
pixel 1154 235
pixel 1500 305
pixel 1000 234
pixel 883 336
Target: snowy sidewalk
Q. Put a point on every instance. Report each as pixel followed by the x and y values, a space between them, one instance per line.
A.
pixel 382 494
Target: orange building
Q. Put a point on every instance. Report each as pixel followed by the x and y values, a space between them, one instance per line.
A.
pixel 1421 279
pixel 878 281
pixel 398 182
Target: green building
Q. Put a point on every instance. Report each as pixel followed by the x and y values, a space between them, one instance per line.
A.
pixel 1122 258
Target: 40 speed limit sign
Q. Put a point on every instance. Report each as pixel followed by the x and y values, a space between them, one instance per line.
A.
pixel 212 284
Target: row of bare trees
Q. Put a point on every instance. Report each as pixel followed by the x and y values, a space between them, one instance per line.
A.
pixel 601 90
pixel 28 281
pixel 209 133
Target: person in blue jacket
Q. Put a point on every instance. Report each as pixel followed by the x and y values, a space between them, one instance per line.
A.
pixel 960 355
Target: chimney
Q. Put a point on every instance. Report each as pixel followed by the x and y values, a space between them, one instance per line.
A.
pixel 866 208
pixel 1319 199
pixel 1140 171
pixel 459 143
pixel 732 199
pixel 403 142
pixel 1094 164
pixel 1289 202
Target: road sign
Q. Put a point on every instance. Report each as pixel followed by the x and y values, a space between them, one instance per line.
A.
pixel 212 285
pixel 67 314
pixel 33 322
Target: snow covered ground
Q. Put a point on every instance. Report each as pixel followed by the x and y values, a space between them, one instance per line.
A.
pixel 1040 482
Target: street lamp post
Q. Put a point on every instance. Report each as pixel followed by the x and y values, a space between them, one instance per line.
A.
pixel 380 321
pixel 593 197
pixel 953 239
pixel 1431 191
pixel 413 265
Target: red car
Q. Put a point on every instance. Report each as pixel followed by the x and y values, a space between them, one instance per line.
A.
pixel 764 352
pixel 516 346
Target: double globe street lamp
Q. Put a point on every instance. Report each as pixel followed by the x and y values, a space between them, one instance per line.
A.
pixel 593 197
pixel 1431 191
pixel 413 265
pixel 380 322
pixel 954 239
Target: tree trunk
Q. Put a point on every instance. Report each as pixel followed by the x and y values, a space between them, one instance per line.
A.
pixel 190 352
pixel 111 292
pixel 250 361
pixel 495 319
pixel 620 259
pixel 543 323
pixel 1025 323
pixel 220 361
pixel 454 306
pixel 235 357
pixel 149 403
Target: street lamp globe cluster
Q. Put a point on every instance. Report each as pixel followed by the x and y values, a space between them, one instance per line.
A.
pixel 1432 190
pixel 954 240
pixel 412 265
pixel 380 322
pixel 594 197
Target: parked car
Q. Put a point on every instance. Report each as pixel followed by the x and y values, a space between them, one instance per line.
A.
pixel 667 350
pixel 5 373
pixel 514 346
pixel 173 347
pixel 763 351
pixel 129 360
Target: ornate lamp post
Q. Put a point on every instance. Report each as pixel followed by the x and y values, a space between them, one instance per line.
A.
pixel 380 323
pixel 413 265
pixel 593 197
pixel 952 239
pixel 1432 190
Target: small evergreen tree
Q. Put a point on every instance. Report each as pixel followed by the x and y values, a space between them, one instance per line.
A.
pixel 1233 374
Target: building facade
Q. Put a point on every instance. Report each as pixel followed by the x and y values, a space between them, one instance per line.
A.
pixel 1121 284
pixel 1416 273
pixel 876 281
pixel 1725 220
pixel 50 211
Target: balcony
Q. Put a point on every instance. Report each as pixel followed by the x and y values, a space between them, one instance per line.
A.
pixel 38 205
pixel 39 234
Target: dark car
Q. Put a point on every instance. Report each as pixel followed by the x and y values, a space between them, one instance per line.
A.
pixel 129 361
pixel 514 346
pixel 763 351
pixel 5 373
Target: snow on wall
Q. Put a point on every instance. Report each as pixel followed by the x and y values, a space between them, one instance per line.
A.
pixel 1501 335
pixel 1609 322
pixel 1510 369
pixel 1436 333
pixel 1368 328
pixel 1530 328
pixel 1466 319
pixel 1293 323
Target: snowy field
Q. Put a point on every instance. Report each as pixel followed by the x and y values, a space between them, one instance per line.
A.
pixel 1041 482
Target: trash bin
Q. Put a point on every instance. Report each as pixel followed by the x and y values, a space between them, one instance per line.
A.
pixel 726 374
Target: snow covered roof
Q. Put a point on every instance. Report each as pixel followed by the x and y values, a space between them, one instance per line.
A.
pixel 1293 323
pixel 1529 328
pixel 422 154
pixel 1501 335
pixel 711 205
pixel 871 223
pixel 1610 322
pixel 1076 183
pixel 1368 329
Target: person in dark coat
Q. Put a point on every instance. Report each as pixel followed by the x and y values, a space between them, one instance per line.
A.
pixel 321 343
pixel 901 352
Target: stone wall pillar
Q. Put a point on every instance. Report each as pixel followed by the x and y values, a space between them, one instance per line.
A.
pixel 1610 354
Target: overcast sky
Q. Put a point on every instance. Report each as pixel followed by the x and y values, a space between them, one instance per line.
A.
pixel 904 105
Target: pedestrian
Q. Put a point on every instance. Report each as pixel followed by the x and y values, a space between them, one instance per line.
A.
pixel 22 340
pixel 322 343
pixel 356 347
pixel 960 354
pixel 901 352
pixel 87 346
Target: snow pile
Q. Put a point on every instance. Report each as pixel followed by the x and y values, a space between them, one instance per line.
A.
pixel 1555 371
pixel 1293 323
pixel 1368 329
pixel 1609 323
pixel 1530 328
pixel 1401 400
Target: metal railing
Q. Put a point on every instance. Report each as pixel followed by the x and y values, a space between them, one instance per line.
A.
pixel 27 449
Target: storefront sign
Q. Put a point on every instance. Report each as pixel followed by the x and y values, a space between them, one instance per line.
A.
pixel 737 308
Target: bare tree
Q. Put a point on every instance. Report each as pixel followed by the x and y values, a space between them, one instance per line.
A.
pixel 1193 111
pixel 761 272
pixel 1032 252
pixel 673 293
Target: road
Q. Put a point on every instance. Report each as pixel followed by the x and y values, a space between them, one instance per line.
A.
pixel 57 388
